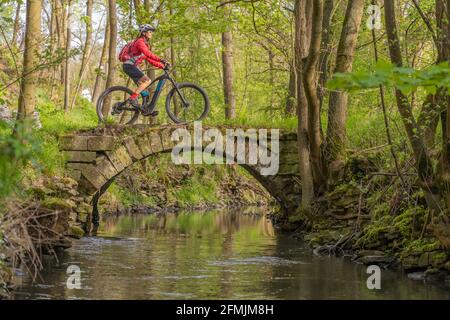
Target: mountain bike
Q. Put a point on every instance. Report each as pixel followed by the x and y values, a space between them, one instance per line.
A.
pixel 186 102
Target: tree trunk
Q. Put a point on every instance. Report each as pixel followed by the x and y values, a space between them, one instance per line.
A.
pixel 63 37
pixel 227 65
pixel 271 79
pixel 445 116
pixel 27 96
pixel 88 42
pixel 302 37
pixel 16 24
pixel 57 9
pixel 310 84
pixel 326 48
pixel 415 135
pixel 337 109
pixel 151 70
pixel 52 46
pixel 102 66
pixel 429 118
pixel 112 51
pixel 67 73
pixel 173 60
pixel 138 10
pixel 292 94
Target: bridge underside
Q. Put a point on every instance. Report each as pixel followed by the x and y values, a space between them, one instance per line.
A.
pixel 96 157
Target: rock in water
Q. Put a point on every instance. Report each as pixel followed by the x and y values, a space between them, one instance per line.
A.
pixel 416 275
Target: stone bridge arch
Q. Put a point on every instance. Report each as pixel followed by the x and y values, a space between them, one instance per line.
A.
pixel 94 158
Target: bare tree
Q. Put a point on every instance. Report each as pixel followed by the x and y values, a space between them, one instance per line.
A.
pixel 16 24
pixel 337 108
pixel 413 131
pixel 227 65
pixel 27 96
pixel 311 92
pixel 88 40
pixel 102 66
pixel 302 39
pixel 67 73
pixel 112 50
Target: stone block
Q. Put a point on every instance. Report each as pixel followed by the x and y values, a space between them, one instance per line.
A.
pixel 73 143
pixel 105 167
pixel 155 142
pixel 76 166
pixel 288 169
pixel 290 147
pixel 290 136
pixel 81 156
pixel 101 143
pixel 74 174
pixel 143 143
pixel 288 157
pixel 92 175
pixel 166 139
pixel 133 149
pixel 119 158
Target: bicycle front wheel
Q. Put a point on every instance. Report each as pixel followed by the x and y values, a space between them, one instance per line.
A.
pixel 191 105
pixel 112 106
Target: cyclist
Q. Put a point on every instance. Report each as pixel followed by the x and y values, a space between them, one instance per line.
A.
pixel 138 51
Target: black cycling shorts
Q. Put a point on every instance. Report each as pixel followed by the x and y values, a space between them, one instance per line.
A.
pixel 135 73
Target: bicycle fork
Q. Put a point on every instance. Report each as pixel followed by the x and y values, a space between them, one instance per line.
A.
pixel 185 103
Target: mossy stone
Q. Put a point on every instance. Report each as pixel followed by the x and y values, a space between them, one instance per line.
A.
pixel 75 232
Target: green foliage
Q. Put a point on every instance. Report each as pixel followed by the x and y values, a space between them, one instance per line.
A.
pixel 56 121
pixel 129 198
pixel 195 192
pixel 404 78
pixel 16 151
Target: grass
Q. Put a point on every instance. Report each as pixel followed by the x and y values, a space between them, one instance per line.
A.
pixel 56 121
pixel 195 192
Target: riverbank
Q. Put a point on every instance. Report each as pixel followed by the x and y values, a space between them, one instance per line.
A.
pixel 153 186
pixel 366 217
pixel 370 217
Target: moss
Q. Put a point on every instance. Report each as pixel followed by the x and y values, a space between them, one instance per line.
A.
pixel 437 258
pixel 323 237
pixel 75 231
pixel 422 245
pixel 374 232
pixel 56 203
pixel 407 221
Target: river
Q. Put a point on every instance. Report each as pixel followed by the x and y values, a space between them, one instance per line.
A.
pixel 213 255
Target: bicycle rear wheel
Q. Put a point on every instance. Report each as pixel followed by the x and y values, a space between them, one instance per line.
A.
pixel 112 106
pixel 197 99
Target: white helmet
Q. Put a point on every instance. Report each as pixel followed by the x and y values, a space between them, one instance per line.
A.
pixel 145 28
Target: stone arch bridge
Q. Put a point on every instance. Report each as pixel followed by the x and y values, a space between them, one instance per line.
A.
pixel 95 157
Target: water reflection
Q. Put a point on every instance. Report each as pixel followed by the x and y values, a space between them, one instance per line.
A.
pixel 216 255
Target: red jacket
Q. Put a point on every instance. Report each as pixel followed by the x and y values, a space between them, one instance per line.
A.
pixel 141 51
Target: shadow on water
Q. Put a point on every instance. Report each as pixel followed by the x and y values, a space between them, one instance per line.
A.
pixel 214 255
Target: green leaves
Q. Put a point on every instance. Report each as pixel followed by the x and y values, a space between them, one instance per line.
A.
pixel 403 78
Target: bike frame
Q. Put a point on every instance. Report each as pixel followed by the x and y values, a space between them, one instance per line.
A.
pixel 161 81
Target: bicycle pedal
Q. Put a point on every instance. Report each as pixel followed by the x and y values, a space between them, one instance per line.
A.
pixel 153 114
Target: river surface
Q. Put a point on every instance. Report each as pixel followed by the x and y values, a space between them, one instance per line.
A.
pixel 214 255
